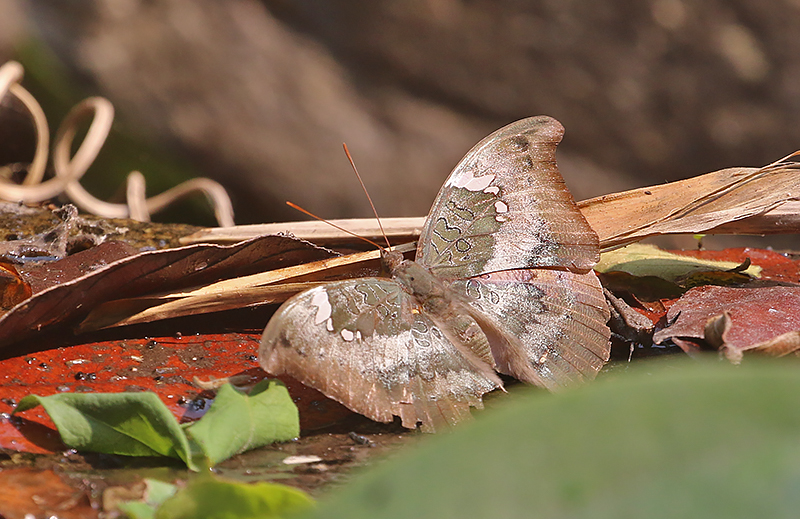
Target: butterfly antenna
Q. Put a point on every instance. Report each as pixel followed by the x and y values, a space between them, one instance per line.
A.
pixel 351 233
pixel 353 164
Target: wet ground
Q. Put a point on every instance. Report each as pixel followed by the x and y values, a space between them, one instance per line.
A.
pixel 74 484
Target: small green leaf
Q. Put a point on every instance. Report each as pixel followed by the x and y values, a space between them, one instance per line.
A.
pixel 137 510
pixel 237 422
pixel 129 424
pixel 207 497
pixel 156 492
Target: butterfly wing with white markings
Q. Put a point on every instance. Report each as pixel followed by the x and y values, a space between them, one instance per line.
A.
pixel 558 318
pixel 367 344
pixel 505 207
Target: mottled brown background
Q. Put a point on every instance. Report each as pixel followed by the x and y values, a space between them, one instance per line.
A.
pixel 260 94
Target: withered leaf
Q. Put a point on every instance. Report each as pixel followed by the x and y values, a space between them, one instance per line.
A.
pixel 274 286
pixel 648 260
pixel 700 204
pixel 46 274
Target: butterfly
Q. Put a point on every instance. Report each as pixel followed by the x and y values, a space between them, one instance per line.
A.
pixel 502 283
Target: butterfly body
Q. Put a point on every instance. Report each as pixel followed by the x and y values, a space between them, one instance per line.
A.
pixel 502 282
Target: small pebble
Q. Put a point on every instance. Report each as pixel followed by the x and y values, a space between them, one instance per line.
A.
pixel 297 460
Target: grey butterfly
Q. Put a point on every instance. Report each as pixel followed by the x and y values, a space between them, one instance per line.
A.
pixel 502 283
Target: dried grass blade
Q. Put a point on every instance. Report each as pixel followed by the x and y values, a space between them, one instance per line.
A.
pixel 398 230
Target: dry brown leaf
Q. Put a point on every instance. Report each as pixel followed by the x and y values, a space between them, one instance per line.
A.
pixel 785 344
pixel 730 201
pixel 716 335
pixel 701 204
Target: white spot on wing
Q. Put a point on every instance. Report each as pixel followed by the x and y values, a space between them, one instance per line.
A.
pixel 347 335
pixel 320 300
pixel 494 190
pixel 329 325
pixel 500 207
pixel 470 182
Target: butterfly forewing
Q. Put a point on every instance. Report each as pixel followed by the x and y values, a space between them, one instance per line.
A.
pixel 559 318
pixel 505 206
pixel 365 343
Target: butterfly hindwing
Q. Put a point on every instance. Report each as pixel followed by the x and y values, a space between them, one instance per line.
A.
pixel 559 318
pixel 365 343
pixel 505 206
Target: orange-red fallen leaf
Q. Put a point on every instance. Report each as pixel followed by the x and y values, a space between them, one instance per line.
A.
pixel 41 493
pixel 750 317
pixel 164 365
pixel 13 289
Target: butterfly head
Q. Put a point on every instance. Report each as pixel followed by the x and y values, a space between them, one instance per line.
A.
pixel 391 260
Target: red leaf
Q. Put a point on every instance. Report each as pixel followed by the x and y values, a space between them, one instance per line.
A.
pixel 164 365
pixel 757 315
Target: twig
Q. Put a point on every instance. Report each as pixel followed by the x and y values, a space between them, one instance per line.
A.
pixel 69 170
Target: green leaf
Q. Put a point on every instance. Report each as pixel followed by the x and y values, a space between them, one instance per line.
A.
pixel 137 510
pixel 648 260
pixel 130 424
pixel 139 424
pixel 237 422
pixel 212 498
pixel 688 439
pixel 156 492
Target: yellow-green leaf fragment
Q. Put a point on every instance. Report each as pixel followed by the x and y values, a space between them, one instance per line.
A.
pixel 640 259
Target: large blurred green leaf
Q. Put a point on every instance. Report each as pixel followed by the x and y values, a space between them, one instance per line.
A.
pixel 685 440
pixel 238 421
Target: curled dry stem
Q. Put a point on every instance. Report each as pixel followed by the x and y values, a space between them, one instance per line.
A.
pixel 70 168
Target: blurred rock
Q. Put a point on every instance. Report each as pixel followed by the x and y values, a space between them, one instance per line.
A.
pixel 262 94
